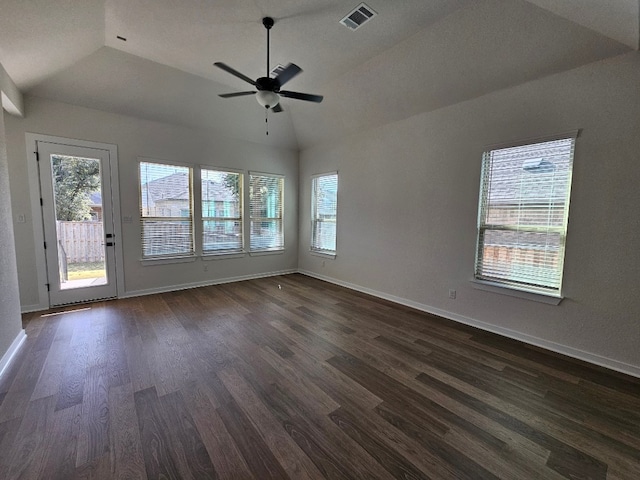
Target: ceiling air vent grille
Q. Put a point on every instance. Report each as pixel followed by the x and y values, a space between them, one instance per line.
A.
pixel 358 17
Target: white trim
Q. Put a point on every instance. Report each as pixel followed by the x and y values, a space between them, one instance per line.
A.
pixel 316 175
pixel 36 218
pixel 322 254
pixel 167 260
pixel 12 351
pixel 215 168
pixel 207 283
pixel 260 253
pixel 222 256
pixel 526 141
pixel 633 370
pixel 512 291
pixel 161 161
pixel 266 174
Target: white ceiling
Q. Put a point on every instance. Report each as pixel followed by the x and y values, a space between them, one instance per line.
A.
pixel 415 56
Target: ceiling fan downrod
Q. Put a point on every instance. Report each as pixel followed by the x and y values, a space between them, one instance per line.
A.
pixel 268 23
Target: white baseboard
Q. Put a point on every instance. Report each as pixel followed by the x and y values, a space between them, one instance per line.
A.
pixel 5 361
pixel 185 286
pixel 610 363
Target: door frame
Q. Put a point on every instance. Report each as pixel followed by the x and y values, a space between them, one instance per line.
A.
pixel 38 220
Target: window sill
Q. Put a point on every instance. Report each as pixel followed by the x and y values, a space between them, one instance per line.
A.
pixel 319 253
pixel 222 256
pixel 260 253
pixel 512 292
pixel 167 260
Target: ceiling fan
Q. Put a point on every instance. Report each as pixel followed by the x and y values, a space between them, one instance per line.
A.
pixel 268 91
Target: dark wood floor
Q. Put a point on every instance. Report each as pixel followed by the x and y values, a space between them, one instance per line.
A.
pixel 291 377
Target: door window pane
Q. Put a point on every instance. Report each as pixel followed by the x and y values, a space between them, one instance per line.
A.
pixel 77 190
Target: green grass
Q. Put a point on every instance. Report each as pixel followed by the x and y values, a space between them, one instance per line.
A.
pixel 81 271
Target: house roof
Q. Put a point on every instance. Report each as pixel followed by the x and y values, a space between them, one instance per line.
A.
pixel 176 187
pixel 414 56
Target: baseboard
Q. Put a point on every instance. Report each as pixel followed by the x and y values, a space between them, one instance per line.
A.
pixel 5 361
pixel 588 357
pixel 186 286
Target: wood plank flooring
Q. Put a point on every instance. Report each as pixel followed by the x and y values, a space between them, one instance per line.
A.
pixel 291 377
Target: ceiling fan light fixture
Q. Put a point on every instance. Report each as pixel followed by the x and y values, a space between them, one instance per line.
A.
pixel 267 99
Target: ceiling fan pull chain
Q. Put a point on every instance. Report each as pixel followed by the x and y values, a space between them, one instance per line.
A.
pixel 266 119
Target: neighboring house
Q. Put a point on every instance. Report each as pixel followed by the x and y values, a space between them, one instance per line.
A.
pixel 169 197
pixel 95 204
pixel 166 197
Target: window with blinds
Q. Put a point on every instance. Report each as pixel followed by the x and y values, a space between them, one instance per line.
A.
pixel 166 210
pixel 221 212
pixel 324 210
pixel 266 211
pixel 523 213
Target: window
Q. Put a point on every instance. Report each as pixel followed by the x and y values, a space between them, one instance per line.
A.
pixel 523 212
pixel 266 209
pixel 166 210
pixel 221 212
pixel 324 205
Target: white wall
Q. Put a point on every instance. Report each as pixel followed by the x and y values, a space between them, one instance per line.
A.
pixel 134 138
pixel 10 321
pixel 407 209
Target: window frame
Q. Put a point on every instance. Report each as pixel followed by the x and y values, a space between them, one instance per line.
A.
pixel 315 220
pixel 251 219
pixel 518 287
pixel 172 256
pixel 202 218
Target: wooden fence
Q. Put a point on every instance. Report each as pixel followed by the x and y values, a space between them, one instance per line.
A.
pixel 81 242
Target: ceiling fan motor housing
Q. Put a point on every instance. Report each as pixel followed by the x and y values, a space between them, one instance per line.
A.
pixel 268 84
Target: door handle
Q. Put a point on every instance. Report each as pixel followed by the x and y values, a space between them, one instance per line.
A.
pixel 109 244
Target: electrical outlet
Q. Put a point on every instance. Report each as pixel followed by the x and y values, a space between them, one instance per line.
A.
pixel 205 267
pixel 323 263
pixel 452 294
pixel 22 218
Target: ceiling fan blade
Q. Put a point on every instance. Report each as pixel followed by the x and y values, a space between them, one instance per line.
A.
pixel 234 72
pixel 301 96
pixel 235 94
pixel 288 73
pixel 278 108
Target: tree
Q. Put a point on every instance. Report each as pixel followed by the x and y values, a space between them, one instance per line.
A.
pixel 74 179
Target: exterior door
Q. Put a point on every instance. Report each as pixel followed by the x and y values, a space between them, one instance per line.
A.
pixel 77 214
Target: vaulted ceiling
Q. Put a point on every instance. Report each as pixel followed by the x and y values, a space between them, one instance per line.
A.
pixel 414 56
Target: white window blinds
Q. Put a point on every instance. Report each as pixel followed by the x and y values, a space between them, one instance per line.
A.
pixel 221 211
pixel 324 204
pixel 266 211
pixel 523 212
pixel 166 210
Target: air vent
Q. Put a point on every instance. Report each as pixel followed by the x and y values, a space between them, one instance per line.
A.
pixel 275 71
pixel 358 17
